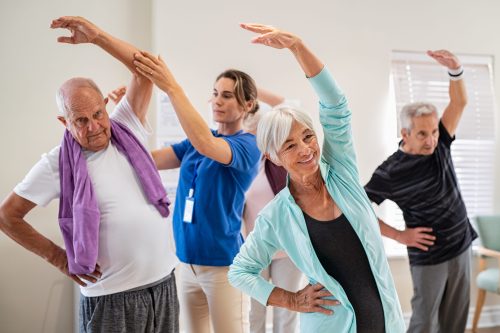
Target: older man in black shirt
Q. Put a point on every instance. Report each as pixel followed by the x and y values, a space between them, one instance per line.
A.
pixel 420 178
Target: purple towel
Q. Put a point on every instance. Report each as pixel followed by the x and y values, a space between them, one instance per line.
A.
pixel 79 215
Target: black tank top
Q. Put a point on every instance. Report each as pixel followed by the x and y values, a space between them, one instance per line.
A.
pixel 343 257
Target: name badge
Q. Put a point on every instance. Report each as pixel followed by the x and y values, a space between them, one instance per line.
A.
pixel 189 207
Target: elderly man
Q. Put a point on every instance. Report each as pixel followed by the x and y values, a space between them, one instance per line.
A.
pixel 420 178
pixel 112 206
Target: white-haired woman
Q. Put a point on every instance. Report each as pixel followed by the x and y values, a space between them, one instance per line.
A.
pixel 323 219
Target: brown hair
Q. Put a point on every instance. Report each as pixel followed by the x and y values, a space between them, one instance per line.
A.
pixel 245 88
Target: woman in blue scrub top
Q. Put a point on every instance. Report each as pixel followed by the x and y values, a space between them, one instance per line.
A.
pixel 322 219
pixel 216 168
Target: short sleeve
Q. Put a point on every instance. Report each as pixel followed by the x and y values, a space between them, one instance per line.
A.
pixel 41 185
pixel 244 150
pixel 444 136
pixel 181 148
pixel 379 187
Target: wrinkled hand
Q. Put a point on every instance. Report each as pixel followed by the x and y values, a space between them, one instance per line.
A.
pixel 82 31
pixel 155 69
pixel 419 237
pixel 312 299
pixel 271 36
pixel 445 58
pixel 61 262
pixel 117 94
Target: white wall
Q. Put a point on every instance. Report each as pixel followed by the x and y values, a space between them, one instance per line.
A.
pixel 199 39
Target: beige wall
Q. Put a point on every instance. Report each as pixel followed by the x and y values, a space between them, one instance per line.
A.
pixel 199 39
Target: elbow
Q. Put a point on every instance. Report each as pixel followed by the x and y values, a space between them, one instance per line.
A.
pixel 5 224
pixel 461 102
pixel 237 275
pixel 204 145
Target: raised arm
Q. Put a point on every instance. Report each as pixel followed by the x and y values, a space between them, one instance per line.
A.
pixel 12 223
pixel 458 94
pixel 335 116
pixel 83 31
pixel 193 124
pixel 269 97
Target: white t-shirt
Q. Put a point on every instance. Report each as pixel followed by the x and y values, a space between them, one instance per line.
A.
pixel 134 239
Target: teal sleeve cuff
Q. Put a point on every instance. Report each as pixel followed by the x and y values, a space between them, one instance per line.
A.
pixel 263 291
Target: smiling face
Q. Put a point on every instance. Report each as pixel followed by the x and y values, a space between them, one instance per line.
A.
pixel 299 155
pixel 87 119
pixel 423 137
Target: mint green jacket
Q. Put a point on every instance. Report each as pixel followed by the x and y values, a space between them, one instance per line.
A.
pixel 281 225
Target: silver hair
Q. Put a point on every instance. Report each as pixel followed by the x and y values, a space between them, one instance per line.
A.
pixel 68 87
pixel 418 109
pixel 275 126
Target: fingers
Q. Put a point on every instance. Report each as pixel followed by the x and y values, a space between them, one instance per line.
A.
pixel 322 310
pixel 144 70
pixel 97 272
pixel 151 57
pixel 64 22
pixel 77 280
pixel 88 277
pixel 263 39
pixel 421 247
pixel 145 62
pixel 425 242
pixel 144 73
pixel 324 293
pixel 143 67
pixel 68 40
pixel 117 94
pixel 321 303
pixel 423 229
pixel 255 27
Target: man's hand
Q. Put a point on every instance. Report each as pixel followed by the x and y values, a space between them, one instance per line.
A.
pixel 82 31
pixel 445 58
pixel 117 94
pixel 419 237
pixel 60 260
pixel 312 299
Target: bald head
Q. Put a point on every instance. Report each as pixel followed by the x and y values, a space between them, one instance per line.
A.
pixel 75 89
pixel 83 113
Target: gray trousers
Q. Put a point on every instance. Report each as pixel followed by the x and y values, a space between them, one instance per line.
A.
pixel 149 309
pixel 441 295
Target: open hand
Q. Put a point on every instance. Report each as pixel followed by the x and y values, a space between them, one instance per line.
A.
pixel 117 94
pixel 445 58
pixel 419 237
pixel 270 36
pixel 82 31
pixel 312 299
